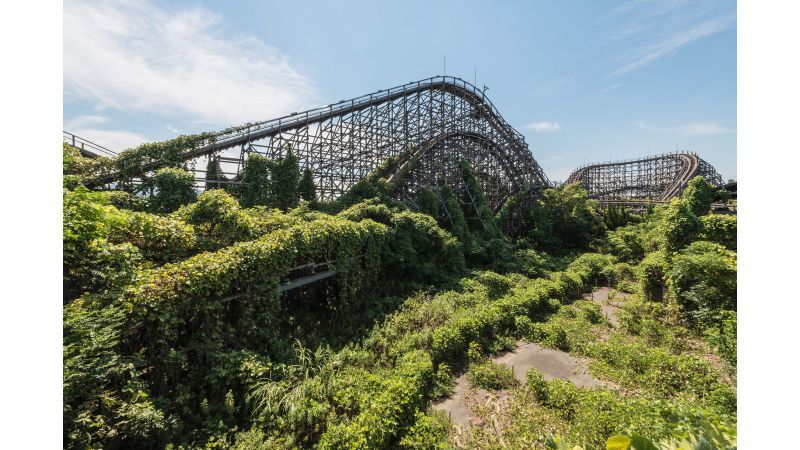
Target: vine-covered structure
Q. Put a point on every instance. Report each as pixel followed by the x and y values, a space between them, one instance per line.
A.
pixel 655 178
pixel 436 123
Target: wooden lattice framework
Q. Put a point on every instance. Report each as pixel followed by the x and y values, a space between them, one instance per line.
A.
pixel 656 178
pixel 440 119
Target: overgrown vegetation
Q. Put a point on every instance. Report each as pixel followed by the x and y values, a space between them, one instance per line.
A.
pixel 186 323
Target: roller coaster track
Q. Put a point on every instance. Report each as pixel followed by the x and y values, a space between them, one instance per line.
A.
pixel 442 120
pixel 657 178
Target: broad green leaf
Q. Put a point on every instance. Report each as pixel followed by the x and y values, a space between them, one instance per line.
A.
pixel 618 443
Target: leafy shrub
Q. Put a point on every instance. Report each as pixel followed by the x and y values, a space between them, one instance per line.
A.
pixel 619 273
pixel 676 226
pixel 534 380
pixel 720 229
pixel 595 414
pixel 569 329
pixel 702 279
pixel 110 266
pixel 616 216
pixel 78 169
pixel 626 243
pixel 94 411
pixel 256 188
pixel 284 182
pixel 533 264
pixel 126 200
pixel 392 407
pixel 722 335
pixel 698 195
pixel 88 220
pixel 488 375
pixel 429 432
pixel 443 382
pixel 160 239
pixel 633 364
pixel 594 264
pixel 174 187
pixel 417 244
pixel 566 218
pixel 306 187
pixel 651 273
pixel 219 219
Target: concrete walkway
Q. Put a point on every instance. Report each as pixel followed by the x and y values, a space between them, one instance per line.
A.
pixel 552 363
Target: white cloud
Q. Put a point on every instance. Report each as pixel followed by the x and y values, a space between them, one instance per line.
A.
pixel 543 127
pixel 140 56
pixel 671 42
pixel 689 129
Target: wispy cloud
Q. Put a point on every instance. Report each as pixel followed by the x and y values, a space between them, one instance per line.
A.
pixel 555 85
pixel 606 90
pixel 648 30
pixel 671 43
pixel 543 127
pixel 139 56
pixel 689 129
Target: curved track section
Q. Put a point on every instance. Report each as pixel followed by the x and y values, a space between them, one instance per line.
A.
pixel 436 163
pixel 657 178
pixel 343 142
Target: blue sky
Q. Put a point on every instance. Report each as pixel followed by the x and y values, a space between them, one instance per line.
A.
pixel 583 81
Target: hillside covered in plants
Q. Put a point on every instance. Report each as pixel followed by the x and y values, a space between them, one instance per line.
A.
pixel 187 323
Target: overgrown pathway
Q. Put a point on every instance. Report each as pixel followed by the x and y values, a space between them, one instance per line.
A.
pixel 609 307
pixel 551 362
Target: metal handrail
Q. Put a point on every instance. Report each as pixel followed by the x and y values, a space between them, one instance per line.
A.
pixel 87 146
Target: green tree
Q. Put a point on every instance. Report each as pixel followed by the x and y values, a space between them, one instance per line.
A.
pixel 285 182
pixel 702 279
pixel 256 187
pixel 174 187
pixel 566 218
pixel 699 194
pixel 213 173
pixel 307 188
pixel 676 226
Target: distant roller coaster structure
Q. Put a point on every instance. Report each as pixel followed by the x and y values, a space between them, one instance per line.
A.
pixel 436 123
pixel 658 178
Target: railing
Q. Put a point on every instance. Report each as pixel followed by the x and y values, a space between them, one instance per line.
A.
pixel 87 147
pixel 257 130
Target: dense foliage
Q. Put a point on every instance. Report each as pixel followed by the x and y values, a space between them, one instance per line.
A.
pixel 188 322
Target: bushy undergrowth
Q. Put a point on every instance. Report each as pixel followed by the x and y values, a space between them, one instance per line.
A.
pixel 177 334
